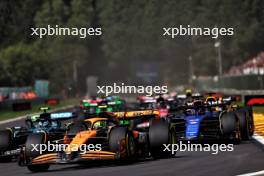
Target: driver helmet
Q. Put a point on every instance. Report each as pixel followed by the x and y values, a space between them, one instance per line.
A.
pixel 188 92
pixel 100 124
pixel 44 124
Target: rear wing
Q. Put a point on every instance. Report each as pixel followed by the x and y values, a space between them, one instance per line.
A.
pixel 132 114
pixel 54 116
pixel 63 115
pixel 185 107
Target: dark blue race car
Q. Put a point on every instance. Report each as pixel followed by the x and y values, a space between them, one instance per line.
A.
pixel 48 124
pixel 213 121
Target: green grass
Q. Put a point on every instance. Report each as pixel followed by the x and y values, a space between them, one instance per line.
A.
pixel 35 109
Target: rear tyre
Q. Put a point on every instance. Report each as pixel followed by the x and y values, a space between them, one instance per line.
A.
pixel 250 120
pixel 38 168
pixel 160 134
pixel 227 123
pixel 230 127
pixel 5 140
pixel 121 141
pixel 243 122
pixel 5 144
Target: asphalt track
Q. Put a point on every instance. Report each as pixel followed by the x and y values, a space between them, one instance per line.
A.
pixel 246 158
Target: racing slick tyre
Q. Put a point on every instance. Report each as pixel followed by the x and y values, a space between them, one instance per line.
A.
pixel 249 113
pixel 160 134
pixel 30 152
pixel 121 141
pixel 5 144
pixel 34 139
pixel 38 167
pixel 243 123
pixel 5 140
pixel 230 127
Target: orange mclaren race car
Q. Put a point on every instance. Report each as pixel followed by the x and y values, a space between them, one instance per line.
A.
pixel 109 136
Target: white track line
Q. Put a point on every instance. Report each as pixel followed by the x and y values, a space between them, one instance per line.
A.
pixel 258 138
pixel 22 117
pixel 253 173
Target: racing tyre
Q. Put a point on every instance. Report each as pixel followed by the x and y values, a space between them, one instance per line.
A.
pixel 121 141
pixel 160 134
pixel 251 128
pixel 227 123
pixel 5 144
pixel 230 127
pixel 5 140
pixel 38 168
pixel 243 123
pixel 34 139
